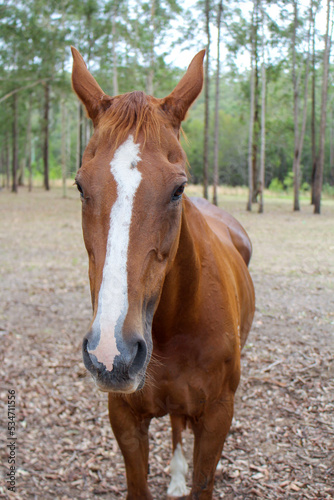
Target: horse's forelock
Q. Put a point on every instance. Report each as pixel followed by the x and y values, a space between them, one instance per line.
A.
pixel 133 112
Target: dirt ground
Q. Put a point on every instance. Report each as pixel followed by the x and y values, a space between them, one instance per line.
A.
pixel 281 444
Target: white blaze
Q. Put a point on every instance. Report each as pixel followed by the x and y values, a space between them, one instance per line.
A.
pixel 113 295
pixel 178 468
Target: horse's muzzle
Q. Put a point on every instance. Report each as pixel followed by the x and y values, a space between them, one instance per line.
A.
pixel 128 372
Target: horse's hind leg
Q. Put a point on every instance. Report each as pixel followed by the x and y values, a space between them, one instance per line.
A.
pixel 178 466
pixel 131 433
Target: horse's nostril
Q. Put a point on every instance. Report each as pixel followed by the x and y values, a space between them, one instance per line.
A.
pixel 126 366
pixel 139 358
pixel 90 361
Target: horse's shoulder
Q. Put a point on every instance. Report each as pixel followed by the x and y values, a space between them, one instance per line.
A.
pixel 224 225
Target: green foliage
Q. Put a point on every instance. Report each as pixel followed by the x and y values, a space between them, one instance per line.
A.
pixel 34 48
pixel 305 187
pixel 276 185
pixel 328 190
pixel 288 181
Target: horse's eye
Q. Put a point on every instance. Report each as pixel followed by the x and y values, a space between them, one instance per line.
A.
pixel 178 192
pixel 80 189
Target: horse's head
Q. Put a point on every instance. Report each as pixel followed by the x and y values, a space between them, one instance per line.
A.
pixel 131 182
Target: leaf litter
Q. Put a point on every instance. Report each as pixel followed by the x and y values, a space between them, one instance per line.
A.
pixel 281 443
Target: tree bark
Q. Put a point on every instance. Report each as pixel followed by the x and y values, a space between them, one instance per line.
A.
pixel 63 145
pixel 22 166
pixel 331 150
pixel 263 121
pixel 216 139
pixel 15 144
pixel 313 114
pixel 295 108
pixel 2 167
pixel 46 136
pixel 299 133
pixel 87 132
pixel 28 148
pixel 251 118
pixel 7 162
pixel 256 126
pixel 318 179
pixel 79 136
pixel 68 135
pixel 206 109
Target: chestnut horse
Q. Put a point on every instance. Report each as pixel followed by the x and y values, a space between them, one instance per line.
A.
pixel 172 297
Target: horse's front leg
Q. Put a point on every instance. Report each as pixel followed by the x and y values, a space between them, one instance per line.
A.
pixel 210 434
pixel 131 433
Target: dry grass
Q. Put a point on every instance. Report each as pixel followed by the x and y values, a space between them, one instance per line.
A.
pixel 281 441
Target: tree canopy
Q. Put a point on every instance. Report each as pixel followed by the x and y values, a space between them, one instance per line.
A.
pixel 146 45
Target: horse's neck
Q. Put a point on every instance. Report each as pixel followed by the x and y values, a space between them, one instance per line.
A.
pixel 181 287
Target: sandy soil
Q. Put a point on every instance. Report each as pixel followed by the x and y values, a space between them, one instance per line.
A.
pixel 281 443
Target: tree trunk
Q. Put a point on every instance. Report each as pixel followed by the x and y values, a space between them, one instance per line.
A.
pixel 251 117
pixel 68 135
pixel 2 168
pixel 28 148
pixel 313 115
pixel 261 186
pixel 87 132
pixel 7 162
pixel 15 144
pixel 63 145
pixel 22 167
pixel 79 136
pixel 304 117
pixel 299 133
pixel 206 109
pixel 318 179
pixel 295 110
pixel 256 125
pixel 114 55
pixel 331 149
pixel 46 136
pixel 216 139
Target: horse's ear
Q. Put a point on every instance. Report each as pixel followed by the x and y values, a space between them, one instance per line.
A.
pixel 87 88
pixel 186 91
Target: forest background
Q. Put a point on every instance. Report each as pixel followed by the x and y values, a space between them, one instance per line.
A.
pixel 265 118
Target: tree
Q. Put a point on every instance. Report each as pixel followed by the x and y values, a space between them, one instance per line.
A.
pixel 313 112
pixel 216 137
pixel 206 97
pixel 28 146
pixel 256 110
pixel 252 106
pixel 15 143
pixel 299 130
pixel 263 117
pixel 46 135
pixel 318 178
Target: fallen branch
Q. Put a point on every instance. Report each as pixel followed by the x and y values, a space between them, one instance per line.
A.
pixel 268 368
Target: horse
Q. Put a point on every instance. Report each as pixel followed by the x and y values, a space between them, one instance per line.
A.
pixel 172 297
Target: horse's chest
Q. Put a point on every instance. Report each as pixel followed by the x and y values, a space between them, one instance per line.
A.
pixel 181 390
pixel 174 398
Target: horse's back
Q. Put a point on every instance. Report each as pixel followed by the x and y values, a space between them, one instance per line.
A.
pixel 224 225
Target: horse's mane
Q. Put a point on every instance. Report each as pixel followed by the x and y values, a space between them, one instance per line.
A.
pixel 135 112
